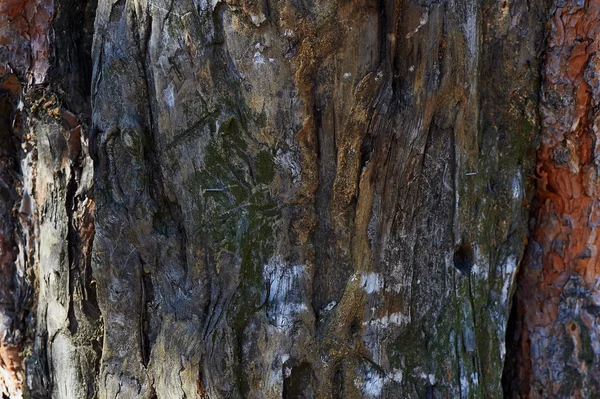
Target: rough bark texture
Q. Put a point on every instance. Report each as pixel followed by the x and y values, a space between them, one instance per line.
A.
pixel 46 287
pixel 23 60
pixel 306 198
pixel 558 302
pixel 309 199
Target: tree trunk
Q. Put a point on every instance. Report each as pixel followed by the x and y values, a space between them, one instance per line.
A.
pixel 556 351
pixel 268 199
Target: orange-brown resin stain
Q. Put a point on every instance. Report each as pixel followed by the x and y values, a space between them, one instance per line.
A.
pixel 558 296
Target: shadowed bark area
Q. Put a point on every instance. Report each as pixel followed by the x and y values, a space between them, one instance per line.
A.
pixel 11 323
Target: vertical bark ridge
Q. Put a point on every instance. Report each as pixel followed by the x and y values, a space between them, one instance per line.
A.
pixel 557 299
pixel 45 53
pixel 24 51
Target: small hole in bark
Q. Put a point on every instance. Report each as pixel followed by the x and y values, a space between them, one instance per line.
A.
pixel 354 326
pixel 365 151
pixel 464 258
pixel 573 327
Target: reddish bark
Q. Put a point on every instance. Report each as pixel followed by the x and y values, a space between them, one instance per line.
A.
pixel 24 37
pixel 559 296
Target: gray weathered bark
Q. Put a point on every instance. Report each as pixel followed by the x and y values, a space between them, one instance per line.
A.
pixel 328 205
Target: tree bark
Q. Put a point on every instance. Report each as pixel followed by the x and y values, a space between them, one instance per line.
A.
pixel 556 352
pixel 268 199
